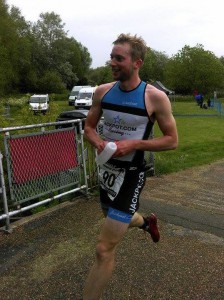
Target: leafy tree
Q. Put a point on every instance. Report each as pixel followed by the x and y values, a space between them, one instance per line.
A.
pixel 71 60
pixel 194 68
pixel 50 83
pixel 86 59
pixel 15 49
pixel 21 58
pixel 7 46
pixel 46 31
pixel 100 75
pixel 222 60
pixel 31 53
pixel 6 72
pixel 54 51
pixel 153 66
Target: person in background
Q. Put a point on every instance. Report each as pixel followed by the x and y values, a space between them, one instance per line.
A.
pixel 130 108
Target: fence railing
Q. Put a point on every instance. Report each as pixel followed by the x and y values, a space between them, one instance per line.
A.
pixel 216 104
pixel 43 162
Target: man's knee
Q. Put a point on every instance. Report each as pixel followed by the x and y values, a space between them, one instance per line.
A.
pixel 105 251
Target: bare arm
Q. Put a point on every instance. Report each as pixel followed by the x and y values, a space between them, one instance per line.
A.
pixel 93 118
pixel 158 105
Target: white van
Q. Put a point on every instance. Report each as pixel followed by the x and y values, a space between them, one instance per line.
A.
pixel 85 98
pixel 74 93
pixel 39 103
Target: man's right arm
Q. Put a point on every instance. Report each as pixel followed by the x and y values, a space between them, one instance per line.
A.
pixel 93 118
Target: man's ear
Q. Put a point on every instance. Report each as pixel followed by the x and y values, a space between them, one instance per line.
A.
pixel 139 62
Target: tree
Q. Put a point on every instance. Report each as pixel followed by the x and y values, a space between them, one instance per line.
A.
pixel 7 46
pixel 31 53
pixel 50 83
pixel 194 68
pixel 100 75
pixel 21 58
pixel 86 59
pixel 46 31
pixel 222 60
pixel 15 50
pixel 54 51
pixel 74 57
pixel 153 66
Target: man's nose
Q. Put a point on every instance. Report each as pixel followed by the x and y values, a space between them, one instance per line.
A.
pixel 112 62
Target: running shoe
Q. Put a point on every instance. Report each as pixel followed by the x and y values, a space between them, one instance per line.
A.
pixel 152 228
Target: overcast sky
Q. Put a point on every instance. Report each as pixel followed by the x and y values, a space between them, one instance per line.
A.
pixel 165 25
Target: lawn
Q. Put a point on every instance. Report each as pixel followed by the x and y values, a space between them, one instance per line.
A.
pixel 201 139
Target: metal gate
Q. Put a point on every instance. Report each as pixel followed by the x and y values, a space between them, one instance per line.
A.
pixel 41 164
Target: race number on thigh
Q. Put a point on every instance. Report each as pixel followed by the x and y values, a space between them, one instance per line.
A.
pixel 111 179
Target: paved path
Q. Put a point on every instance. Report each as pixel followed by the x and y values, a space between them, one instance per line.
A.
pixel 193 198
pixel 48 256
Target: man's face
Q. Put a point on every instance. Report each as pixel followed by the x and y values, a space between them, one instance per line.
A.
pixel 121 62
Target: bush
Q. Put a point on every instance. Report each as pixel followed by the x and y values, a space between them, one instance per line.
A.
pixel 60 97
pixel 51 83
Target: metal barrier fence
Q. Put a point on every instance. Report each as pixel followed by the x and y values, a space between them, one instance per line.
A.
pixel 42 164
pixel 216 104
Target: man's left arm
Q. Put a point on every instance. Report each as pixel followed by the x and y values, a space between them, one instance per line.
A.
pixel 160 108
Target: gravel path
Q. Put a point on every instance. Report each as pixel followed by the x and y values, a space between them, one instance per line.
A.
pixel 48 256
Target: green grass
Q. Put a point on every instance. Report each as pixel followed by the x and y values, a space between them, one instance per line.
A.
pixel 201 139
pixel 21 115
pixel 191 108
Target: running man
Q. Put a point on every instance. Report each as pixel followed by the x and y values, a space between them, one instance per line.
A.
pixel 130 108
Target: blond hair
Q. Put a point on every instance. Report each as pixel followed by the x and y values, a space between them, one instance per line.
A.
pixel 137 44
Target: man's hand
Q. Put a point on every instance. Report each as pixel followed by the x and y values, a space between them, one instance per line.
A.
pixel 101 146
pixel 124 147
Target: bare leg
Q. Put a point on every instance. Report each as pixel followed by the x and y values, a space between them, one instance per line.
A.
pixel 137 220
pixel 111 234
pixel 150 225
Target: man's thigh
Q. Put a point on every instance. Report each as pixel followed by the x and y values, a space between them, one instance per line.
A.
pixel 113 231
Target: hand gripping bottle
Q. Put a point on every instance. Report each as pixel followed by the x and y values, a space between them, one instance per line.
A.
pixel 106 154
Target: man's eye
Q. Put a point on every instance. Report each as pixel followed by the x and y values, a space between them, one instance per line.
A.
pixel 119 58
pixel 116 57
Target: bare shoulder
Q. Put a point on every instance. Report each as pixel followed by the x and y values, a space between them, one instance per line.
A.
pixel 155 94
pixel 102 89
pixel 156 100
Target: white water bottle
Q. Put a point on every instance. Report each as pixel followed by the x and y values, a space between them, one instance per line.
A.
pixel 106 154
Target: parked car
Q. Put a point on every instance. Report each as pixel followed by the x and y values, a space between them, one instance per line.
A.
pixel 39 103
pixel 72 115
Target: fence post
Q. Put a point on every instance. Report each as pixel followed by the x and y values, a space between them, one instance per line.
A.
pixel 83 156
pixel 5 204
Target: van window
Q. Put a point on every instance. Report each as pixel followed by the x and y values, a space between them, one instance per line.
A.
pixel 74 93
pixel 85 96
pixel 38 100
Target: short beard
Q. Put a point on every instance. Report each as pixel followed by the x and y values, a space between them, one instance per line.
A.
pixel 124 76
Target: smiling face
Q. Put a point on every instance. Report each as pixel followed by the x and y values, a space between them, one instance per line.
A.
pixel 122 65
